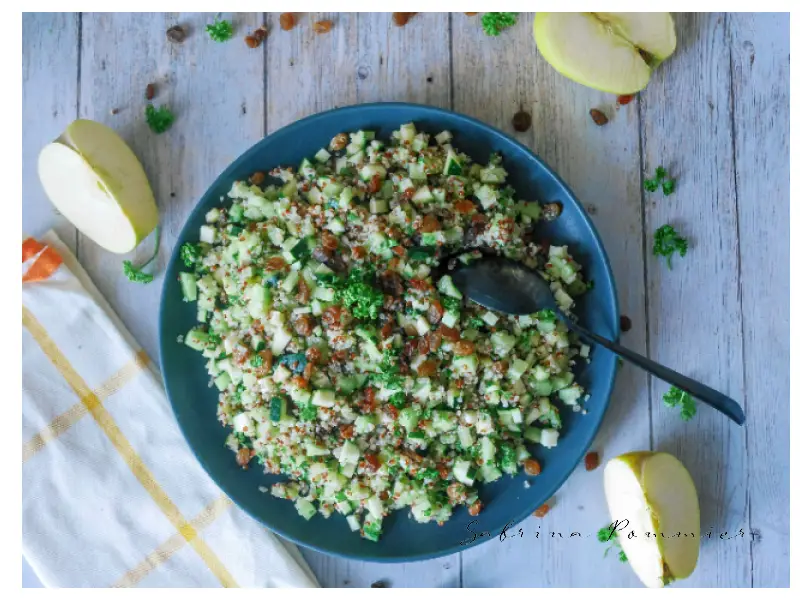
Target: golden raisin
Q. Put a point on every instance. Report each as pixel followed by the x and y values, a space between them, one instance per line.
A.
pixel 598 116
pixel 435 312
pixel 373 464
pixel 329 241
pixel 303 291
pixel 532 466
pixel 428 368
pixel 332 316
pixel 347 431
pixel 304 325
pixel 592 461
pixel 276 263
pixel 464 206
pixel 401 18
pixel 260 34
pixel 475 509
pixel 313 355
pixel 243 457
pixel 300 382
pixel 322 26
pixel 448 333
pixel 338 142
pixel 252 41
pixel 541 511
pixel 374 184
pixel 430 224
pixel 359 252
pixel 257 178
pixel 287 21
pixel 500 367
pixel 463 348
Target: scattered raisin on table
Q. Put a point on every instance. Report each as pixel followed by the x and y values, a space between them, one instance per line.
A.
pixel 401 18
pixel 521 121
pixel 322 26
pixel 287 21
pixel 470 14
pixel 252 41
pixel 150 91
pixel 541 511
pixel 592 461
pixel 176 34
pixel 625 323
pixel 598 116
pixel 624 99
pixel 261 33
pixel 379 584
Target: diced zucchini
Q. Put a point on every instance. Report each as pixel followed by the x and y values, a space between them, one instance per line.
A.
pixel 305 508
pixel 447 287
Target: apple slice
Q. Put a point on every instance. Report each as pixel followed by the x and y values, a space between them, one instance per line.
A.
pixel 95 180
pixel 612 52
pixel 653 493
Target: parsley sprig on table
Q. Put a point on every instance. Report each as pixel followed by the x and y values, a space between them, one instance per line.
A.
pixel 136 274
pixel 159 119
pixel 220 31
pixel 678 398
pixel 609 534
pixel 495 22
pixel 667 185
pixel 667 242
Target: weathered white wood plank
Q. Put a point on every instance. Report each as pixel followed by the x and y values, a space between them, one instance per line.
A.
pixel 216 91
pixel 695 309
pixel 760 62
pixel 49 103
pixel 493 79
pixel 364 58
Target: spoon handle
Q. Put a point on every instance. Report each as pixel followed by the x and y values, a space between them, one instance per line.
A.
pixel 721 402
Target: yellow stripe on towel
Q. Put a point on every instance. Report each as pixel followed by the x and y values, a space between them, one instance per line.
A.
pixel 123 446
pixel 166 550
pixel 78 410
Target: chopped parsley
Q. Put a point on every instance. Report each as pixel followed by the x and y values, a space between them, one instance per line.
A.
pixel 159 119
pixel 495 22
pixel 136 274
pixel 190 254
pixel 308 412
pixel 451 304
pixel 363 300
pixel 256 360
pixel 220 31
pixel 678 398
pixel 609 534
pixel 660 179
pixel 667 242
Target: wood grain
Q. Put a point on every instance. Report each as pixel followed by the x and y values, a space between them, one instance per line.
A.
pixel 695 308
pixel 364 58
pixel 760 63
pixel 216 91
pixel 493 79
pixel 49 103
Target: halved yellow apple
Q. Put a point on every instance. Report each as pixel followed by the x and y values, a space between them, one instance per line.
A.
pixel 612 52
pixel 652 499
pixel 95 180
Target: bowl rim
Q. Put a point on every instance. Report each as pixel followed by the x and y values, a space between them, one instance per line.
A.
pixel 432 111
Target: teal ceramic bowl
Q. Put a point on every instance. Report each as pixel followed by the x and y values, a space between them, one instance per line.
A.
pixel 506 500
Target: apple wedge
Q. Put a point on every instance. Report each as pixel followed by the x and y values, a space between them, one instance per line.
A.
pixel 611 52
pixel 95 180
pixel 653 503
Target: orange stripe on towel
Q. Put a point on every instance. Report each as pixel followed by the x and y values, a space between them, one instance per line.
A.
pixel 44 266
pixel 30 248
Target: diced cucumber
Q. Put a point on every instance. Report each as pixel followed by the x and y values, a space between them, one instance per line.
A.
pixel 493 175
pixel 278 408
pixel 461 471
pixel 562 380
pixel 465 436
pixel 416 171
pixel 540 373
pixel 570 395
pixel 465 365
pixel 208 234
pixel 489 318
pixel 452 166
pixel 365 423
pixel 487 196
pixel 518 367
pixel 447 287
pixel 213 215
pixel 324 398
pixel 197 339
pixel 490 473
pixel 502 341
pixel 312 449
pixel 378 206
pixel 305 508
pixel 408 132
pixel 533 434
pixel 349 453
pixel 222 381
pixel 367 172
pixel 422 195
pixel 352 522
pixel 450 319
pixel 409 418
pixel 542 388
pixel 487 449
pixel 322 156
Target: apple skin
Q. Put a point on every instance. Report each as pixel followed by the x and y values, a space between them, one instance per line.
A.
pixel 660 498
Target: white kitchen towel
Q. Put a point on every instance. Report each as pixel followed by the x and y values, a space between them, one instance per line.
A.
pixel 112 496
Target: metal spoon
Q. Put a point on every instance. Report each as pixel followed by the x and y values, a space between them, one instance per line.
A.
pixel 510 287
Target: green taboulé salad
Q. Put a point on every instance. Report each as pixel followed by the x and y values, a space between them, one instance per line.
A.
pixel 344 364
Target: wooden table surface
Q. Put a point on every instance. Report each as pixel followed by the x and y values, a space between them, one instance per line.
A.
pixel 716 115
